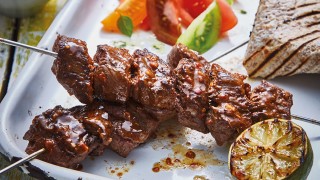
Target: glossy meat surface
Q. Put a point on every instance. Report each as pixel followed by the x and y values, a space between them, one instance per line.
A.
pixel 131 127
pixel 73 67
pixel 180 51
pixel 112 74
pixel 192 89
pixel 68 140
pixel 269 101
pixel 229 104
pixel 153 84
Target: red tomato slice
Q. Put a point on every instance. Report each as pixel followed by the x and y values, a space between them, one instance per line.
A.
pixel 145 24
pixel 195 7
pixel 186 18
pixel 164 20
pixel 228 18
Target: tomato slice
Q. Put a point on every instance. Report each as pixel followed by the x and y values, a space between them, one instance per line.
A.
pixel 135 9
pixel 186 18
pixel 145 24
pixel 228 18
pixel 164 20
pixel 195 7
pixel 204 31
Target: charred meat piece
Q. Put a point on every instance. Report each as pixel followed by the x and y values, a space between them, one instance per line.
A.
pixel 285 39
pixel 131 127
pixel 229 112
pixel 112 74
pixel 67 139
pixel 180 51
pixel 269 101
pixel 153 84
pixel 73 67
pixel 192 87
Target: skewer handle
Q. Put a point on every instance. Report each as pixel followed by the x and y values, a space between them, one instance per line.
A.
pixel 23 160
pixel 17 44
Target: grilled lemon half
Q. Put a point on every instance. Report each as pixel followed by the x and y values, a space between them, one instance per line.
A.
pixel 271 149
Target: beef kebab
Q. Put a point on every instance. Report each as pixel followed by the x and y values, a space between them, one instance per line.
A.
pixel 70 135
pixel 199 95
pixel 114 75
pixel 211 99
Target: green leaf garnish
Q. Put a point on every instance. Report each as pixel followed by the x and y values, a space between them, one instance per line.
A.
pixel 243 11
pixel 125 25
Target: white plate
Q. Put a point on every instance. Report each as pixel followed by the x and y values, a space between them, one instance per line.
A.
pixel 36 90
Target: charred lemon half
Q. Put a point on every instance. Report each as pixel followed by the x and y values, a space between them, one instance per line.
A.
pixel 271 149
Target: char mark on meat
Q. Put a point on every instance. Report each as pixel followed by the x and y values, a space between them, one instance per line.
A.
pixel 67 135
pixel 73 67
pixel 153 85
pixel 192 89
pixel 229 112
pixel 112 74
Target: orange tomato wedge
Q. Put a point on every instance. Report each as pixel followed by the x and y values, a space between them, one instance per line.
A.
pixel 228 18
pixel 135 9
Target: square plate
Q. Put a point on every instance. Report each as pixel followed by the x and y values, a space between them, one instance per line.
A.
pixel 36 89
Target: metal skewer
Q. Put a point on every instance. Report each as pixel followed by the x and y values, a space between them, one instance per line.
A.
pixel 305 119
pixel 54 54
pixel 229 51
pixel 23 160
pixel 17 44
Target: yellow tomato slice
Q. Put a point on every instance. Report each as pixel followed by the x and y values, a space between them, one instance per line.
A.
pixel 135 9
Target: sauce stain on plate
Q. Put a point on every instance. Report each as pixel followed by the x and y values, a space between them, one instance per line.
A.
pixel 120 169
pixel 189 149
pixel 184 157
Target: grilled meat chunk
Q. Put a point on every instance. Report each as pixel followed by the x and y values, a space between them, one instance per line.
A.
pixel 180 51
pixel 67 139
pixel 229 112
pixel 153 84
pixel 95 120
pixel 192 89
pixel 112 74
pixel 269 101
pixel 73 67
pixel 285 39
pixel 131 127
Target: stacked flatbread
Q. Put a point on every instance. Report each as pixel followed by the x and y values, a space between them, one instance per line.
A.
pixel 285 39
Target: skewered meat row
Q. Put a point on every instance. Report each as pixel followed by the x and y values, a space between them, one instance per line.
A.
pixel 114 75
pixel 211 99
pixel 136 92
pixel 70 135
pixel 204 97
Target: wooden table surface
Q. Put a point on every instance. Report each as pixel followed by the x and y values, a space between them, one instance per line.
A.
pixel 25 30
